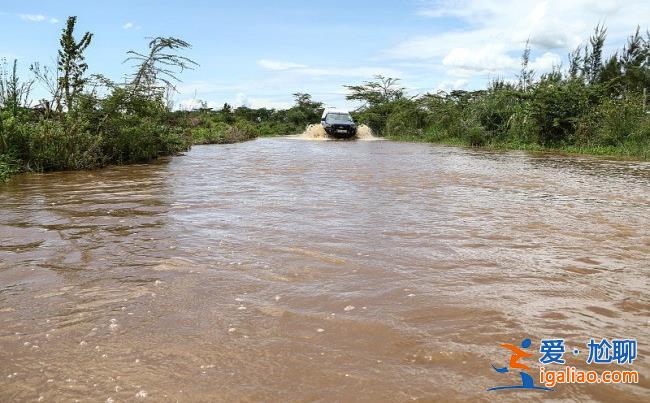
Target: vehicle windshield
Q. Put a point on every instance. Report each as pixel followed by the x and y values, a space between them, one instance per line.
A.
pixel 338 118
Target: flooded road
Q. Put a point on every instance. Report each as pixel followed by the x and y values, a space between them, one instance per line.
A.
pixel 284 269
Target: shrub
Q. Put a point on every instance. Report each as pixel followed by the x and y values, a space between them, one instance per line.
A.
pixel 522 128
pixel 8 167
pixel 495 109
pixel 372 119
pixel 617 120
pixel 556 109
pixel 407 121
pixel 242 131
pixel 476 136
pixel 215 133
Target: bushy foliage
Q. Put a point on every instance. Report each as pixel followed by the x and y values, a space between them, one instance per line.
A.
pixel 77 128
pixel 381 98
pixel 230 125
pixel 556 110
pixel 597 104
pixel 407 118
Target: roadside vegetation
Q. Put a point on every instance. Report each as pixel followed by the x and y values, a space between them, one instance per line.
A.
pixel 595 106
pixel 89 121
pixel 229 125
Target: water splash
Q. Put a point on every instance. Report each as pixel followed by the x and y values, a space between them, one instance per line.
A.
pixel 316 132
pixel 365 133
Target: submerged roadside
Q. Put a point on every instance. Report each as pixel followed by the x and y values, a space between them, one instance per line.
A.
pixel 8 168
pixel 62 150
pixel 634 152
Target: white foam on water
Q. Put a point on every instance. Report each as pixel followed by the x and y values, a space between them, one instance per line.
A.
pixel 314 132
pixel 317 133
pixel 365 133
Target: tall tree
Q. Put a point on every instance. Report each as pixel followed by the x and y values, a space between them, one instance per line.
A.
pixel 611 70
pixel 381 90
pixel 575 61
pixel 13 93
pixel 157 70
pixel 71 64
pixel 593 56
pixel 305 103
pixel 526 75
pixel 305 110
pixel 635 62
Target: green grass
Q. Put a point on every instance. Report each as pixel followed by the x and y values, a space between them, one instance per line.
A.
pixel 8 168
pixel 625 152
pixel 449 141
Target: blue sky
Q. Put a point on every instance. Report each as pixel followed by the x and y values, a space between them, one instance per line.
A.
pixel 258 52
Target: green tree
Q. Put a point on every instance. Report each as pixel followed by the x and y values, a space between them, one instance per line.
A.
pixel 305 110
pixel 635 62
pixel 611 70
pixel 227 113
pixel 158 69
pixel 14 94
pixel 593 55
pixel 526 75
pixel 71 64
pixel 380 98
pixel 381 90
pixel 575 63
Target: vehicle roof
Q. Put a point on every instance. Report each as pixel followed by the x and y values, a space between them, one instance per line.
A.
pixel 333 110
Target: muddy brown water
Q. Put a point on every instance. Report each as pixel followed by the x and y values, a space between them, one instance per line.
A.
pixel 283 269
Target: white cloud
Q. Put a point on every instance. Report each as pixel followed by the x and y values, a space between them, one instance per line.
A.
pixel 495 32
pixel 366 72
pixel 206 87
pixel 485 41
pixel 276 65
pixel 193 103
pixel 38 18
pixel 490 58
pixel 130 25
pixel 242 99
pixel 450 85
pixel 256 103
pixel 363 72
pixel 33 17
pixel 546 62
